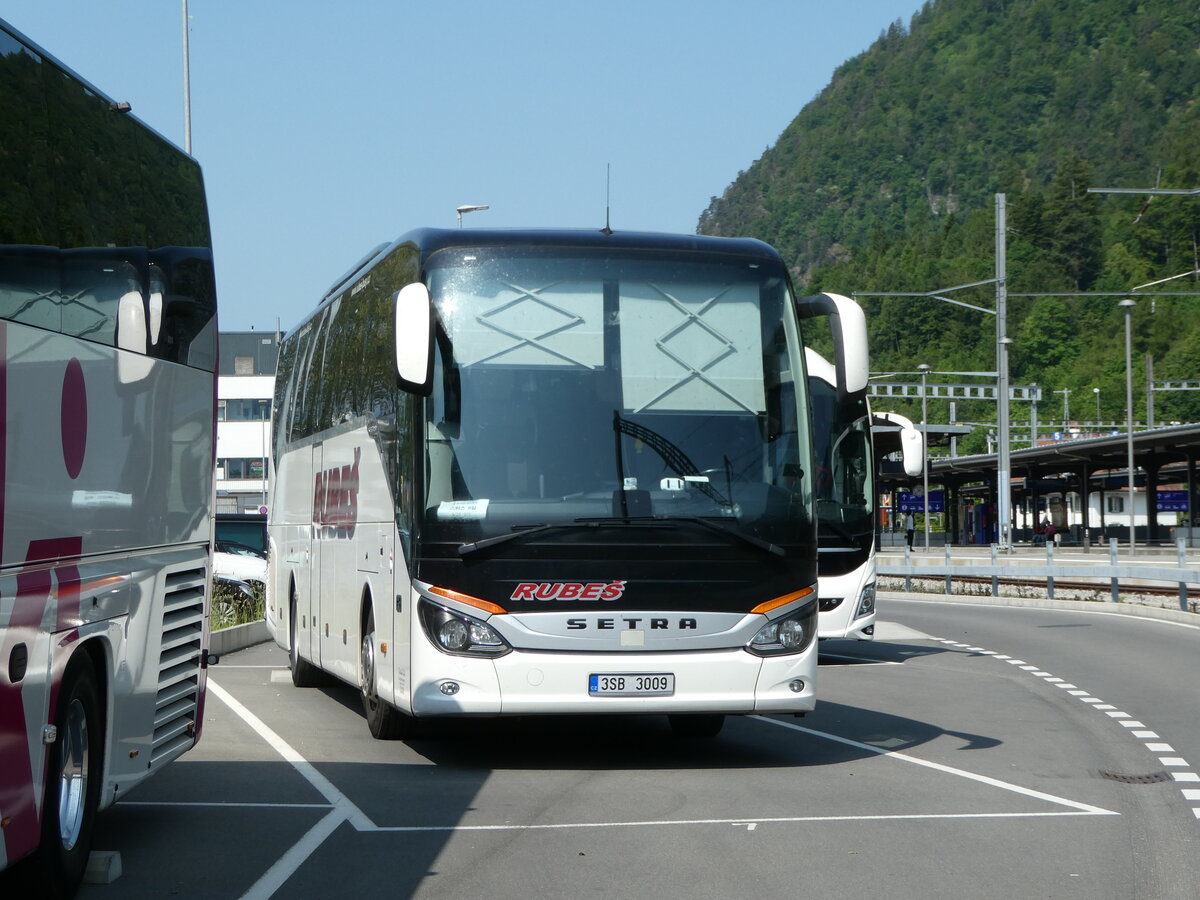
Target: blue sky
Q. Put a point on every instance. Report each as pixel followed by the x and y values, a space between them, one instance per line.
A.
pixel 325 129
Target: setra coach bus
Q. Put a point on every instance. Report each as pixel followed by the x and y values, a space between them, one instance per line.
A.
pixel 107 412
pixel 848 442
pixel 532 472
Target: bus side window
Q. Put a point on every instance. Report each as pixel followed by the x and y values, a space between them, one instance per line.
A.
pixel 307 411
pixel 282 406
pixel 295 411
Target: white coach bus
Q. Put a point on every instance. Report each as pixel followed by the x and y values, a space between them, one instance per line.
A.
pixel 552 472
pixel 846 451
pixel 107 387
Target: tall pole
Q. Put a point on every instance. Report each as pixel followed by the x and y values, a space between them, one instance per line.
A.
pixel 925 465
pixel 1128 306
pixel 1003 464
pixel 187 86
pixel 1033 415
pixel 1149 392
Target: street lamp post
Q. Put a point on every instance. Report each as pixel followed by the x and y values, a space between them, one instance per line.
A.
pixel 468 208
pixel 187 86
pixel 1128 306
pixel 924 370
pixel 1003 458
pixel 1096 391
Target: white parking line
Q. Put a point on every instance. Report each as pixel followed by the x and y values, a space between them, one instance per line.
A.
pixel 307 770
pixel 1083 808
pixel 223 804
pixel 277 876
pixel 861 659
pixel 770 820
pixel 343 810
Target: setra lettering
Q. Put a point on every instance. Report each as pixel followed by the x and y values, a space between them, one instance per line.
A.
pixel 601 623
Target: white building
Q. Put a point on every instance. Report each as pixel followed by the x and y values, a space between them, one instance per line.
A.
pixel 245 387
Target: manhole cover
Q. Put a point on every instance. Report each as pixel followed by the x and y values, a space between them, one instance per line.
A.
pixel 1152 778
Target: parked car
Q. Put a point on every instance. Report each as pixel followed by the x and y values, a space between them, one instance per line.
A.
pixel 238 562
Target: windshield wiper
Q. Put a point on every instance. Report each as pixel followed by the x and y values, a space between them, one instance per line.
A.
pixel 844 533
pixel 757 542
pixel 520 532
pixel 649 521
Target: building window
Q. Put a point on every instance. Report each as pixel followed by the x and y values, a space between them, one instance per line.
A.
pixel 1115 504
pixel 244 410
pixel 240 469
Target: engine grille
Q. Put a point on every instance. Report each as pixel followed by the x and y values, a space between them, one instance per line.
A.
pixel 179 665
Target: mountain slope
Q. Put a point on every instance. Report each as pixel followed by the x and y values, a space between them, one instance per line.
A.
pixel 978 96
pixel 886 182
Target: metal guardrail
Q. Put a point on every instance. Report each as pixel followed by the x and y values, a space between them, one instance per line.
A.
pixel 1115 572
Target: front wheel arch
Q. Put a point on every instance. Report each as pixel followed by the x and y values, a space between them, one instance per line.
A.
pixel 383 719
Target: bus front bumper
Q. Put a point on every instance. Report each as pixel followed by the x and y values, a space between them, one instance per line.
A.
pixel 531 683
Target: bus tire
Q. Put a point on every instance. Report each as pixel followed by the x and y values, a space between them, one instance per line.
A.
pixel 304 673
pixel 693 725
pixel 385 721
pixel 73 777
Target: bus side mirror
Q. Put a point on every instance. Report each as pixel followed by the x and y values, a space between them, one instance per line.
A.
pixel 414 339
pixel 912 442
pixel 912 451
pixel 849 326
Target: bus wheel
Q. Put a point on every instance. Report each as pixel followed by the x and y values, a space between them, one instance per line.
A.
pixel 385 721
pixel 707 725
pixel 304 673
pixel 72 780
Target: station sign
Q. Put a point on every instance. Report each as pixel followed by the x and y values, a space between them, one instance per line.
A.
pixel 913 503
pixel 1172 501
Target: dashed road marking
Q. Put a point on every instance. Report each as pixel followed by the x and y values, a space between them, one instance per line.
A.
pixel 1136 728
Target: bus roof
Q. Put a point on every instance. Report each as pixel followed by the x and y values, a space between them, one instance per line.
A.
pixel 430 240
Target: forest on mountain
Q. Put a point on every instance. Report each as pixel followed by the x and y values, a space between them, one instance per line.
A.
pixel 886 182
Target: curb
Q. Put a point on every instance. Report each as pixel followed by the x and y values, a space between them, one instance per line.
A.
pixel 238 637
pixel 1095 606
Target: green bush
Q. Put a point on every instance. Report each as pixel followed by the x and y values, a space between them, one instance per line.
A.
pixel 231 605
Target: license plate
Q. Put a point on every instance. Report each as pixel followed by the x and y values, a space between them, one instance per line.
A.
pixel 658 684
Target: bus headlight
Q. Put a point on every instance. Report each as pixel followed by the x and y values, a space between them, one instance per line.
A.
pixel 866 603
pixel 791 634
pixel 460 634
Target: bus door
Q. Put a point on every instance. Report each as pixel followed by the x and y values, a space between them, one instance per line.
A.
pixel 336 596
pixel 294 499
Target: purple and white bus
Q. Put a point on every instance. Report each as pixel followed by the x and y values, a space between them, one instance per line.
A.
pixel 107 400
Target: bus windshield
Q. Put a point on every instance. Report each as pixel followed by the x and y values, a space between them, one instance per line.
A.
pixel 572 387
pixel 843 481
